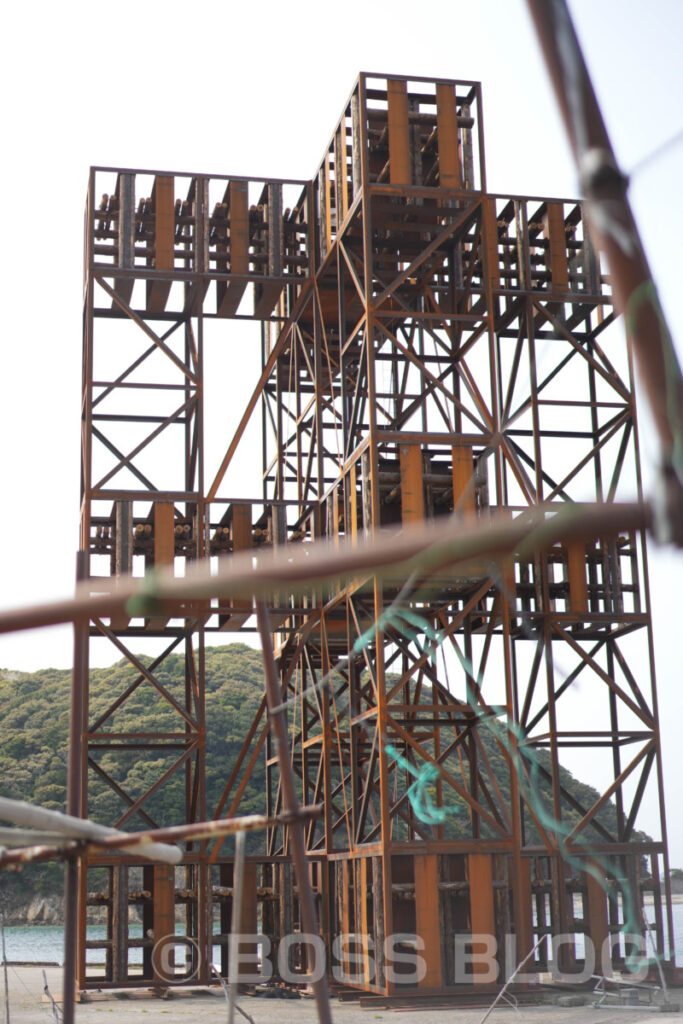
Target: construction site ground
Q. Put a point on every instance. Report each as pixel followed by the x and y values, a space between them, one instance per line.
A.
pixel 28 1004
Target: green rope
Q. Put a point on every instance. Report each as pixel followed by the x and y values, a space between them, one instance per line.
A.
pixel 418 793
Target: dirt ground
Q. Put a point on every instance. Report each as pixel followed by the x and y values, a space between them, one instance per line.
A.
pixel 27 1006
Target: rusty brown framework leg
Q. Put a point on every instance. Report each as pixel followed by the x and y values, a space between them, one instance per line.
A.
pixel 71 970
pixel 278 726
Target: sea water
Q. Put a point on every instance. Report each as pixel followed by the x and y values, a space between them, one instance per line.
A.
pixel 45 943
pixel 32 944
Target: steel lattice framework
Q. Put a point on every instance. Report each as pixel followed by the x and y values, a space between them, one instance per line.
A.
pixel 429 349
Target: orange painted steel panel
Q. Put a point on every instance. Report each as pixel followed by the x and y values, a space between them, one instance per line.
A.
pixel 164 223
pixel 242 536
pixel 428 918
pixel 491 243
pixel 345 913
pixel 365 923
pixel 578 587
pixel 164 913
pixel 553 230
pixel 327 186
pixel 238 216
pixel 352 527
pixel 447 127
pixel 341 183
pixel 482 916
pixel 507 569
pixel 164 547
pixel 333 627
pixel 164 533
pixel 336 517
pixel 598 926
pixel 399 135
pixel 522 896
pixel 412 490
pixel 248 924
pixel 164 230
pixel 229 293
pixel 242 539
pixel 463 480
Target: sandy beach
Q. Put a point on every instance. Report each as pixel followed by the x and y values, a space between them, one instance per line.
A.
pixel 28 1006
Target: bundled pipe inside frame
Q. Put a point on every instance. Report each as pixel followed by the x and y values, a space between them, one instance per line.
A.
pixel 429 349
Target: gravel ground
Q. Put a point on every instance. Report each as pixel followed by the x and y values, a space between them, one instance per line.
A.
pixel 27 1006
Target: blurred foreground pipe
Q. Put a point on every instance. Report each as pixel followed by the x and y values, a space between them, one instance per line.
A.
pixel 422 548
pixel 615 233
pixel 21 813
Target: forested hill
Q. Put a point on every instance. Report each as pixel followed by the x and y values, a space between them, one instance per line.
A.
pixel 34 727
pixel 34 730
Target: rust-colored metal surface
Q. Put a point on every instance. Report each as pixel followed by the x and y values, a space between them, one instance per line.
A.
pixel 429 350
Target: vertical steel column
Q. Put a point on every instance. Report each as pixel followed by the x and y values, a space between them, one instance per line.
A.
pixel 290 803
pixel 73 803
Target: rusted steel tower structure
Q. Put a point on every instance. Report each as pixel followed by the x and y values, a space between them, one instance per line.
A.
pixel 429 349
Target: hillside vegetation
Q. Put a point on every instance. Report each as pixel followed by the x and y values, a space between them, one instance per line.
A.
pixel 34 730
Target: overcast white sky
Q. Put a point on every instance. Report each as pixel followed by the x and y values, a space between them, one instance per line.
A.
pixel 256 89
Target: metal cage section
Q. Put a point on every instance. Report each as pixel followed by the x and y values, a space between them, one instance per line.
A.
pixel 429 349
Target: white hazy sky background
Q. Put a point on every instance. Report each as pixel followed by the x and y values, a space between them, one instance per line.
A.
pixel 256 89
